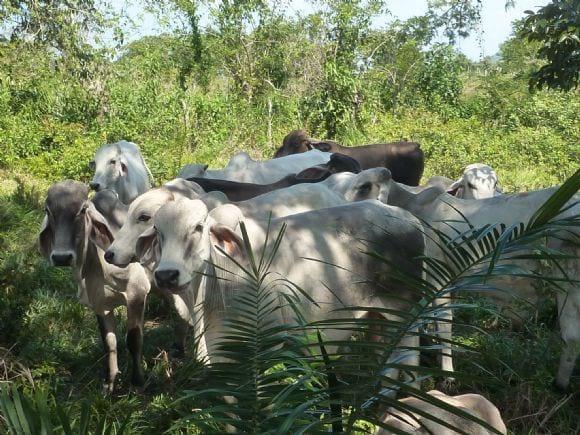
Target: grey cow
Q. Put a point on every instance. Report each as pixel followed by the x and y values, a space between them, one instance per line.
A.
pixel 121 167
pixel 75 234
pixel 446 213
pixel 184 244
pixel 140 216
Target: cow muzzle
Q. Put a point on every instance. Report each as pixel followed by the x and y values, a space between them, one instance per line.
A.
pixel 167 278
pixel 62 259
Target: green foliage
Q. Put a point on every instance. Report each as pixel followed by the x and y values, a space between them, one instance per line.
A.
pixel 201 94
pixel 556 27
pixel 439 81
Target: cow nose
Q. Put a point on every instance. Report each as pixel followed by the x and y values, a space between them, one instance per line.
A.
pixel 166 277
pixel 64 259
pixel 109 256
pixel 94 186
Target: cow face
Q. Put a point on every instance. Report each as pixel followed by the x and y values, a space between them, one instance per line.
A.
pixel 182 242
pixel 70 220
pixel 110 167
pixel 369 184
pixel 140 218
pixel 295 142
pixel 478 181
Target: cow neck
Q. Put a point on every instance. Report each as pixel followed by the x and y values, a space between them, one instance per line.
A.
pixel 90 263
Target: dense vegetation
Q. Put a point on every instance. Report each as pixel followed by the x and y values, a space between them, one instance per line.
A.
pixel 241 81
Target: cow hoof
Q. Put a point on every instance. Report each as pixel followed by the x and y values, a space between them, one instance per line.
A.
pixel 138 380
pixel 108 389
pixel 177 351
pixel 557 388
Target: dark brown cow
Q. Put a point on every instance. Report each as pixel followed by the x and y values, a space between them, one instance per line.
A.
pixel 404 159
pixel 242 191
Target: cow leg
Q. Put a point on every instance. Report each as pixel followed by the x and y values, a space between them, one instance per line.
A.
pixel 107 327
pixel 445 333
pixel 569 319
pixel 183 308
pixel 135 314
pixel 408 356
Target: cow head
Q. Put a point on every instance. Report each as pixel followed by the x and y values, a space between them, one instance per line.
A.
pixel 183 240
pixel 110 166
pixel 478 181
pixel 297 141
pixel 140 218
pixel 338 163
pixel 369 184
pixel 70 221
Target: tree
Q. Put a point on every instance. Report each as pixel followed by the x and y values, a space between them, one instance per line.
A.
pixel 63 25
pixel 347 24
pixel 557 27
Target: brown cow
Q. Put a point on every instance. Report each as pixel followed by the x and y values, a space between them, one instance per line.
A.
pixel 404 159
pixel 243 191
pixel 75 234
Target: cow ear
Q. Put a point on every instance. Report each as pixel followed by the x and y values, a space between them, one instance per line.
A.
pixel 147 246
pixel 321 146
pixel 454 189
pixel 45 238
pixel 100 232
pixel 313 173
pixel 228 242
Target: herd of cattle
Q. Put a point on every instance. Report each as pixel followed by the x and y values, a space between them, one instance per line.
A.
pixel 335 203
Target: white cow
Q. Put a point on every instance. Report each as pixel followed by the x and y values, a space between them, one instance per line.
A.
pixel 335 190
pixel 446 214
pixel 75 234
pixel 184 244
pixel 478 181
pixel 243 169
pixel 121 253
pixel 121 168
pixel 412 422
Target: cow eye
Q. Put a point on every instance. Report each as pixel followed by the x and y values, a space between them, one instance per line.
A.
pixel 365 187
pixel 144 218
pixel 112 161
pixel 198 228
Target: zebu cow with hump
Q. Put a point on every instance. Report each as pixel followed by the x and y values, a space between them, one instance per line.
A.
pixel 121 168
pixel 236 191
pixel 139 217
pixel 186 242
pixel 299 198
pixel 242 168
pixel 405 160
pixel 75 234
pixel 448 214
